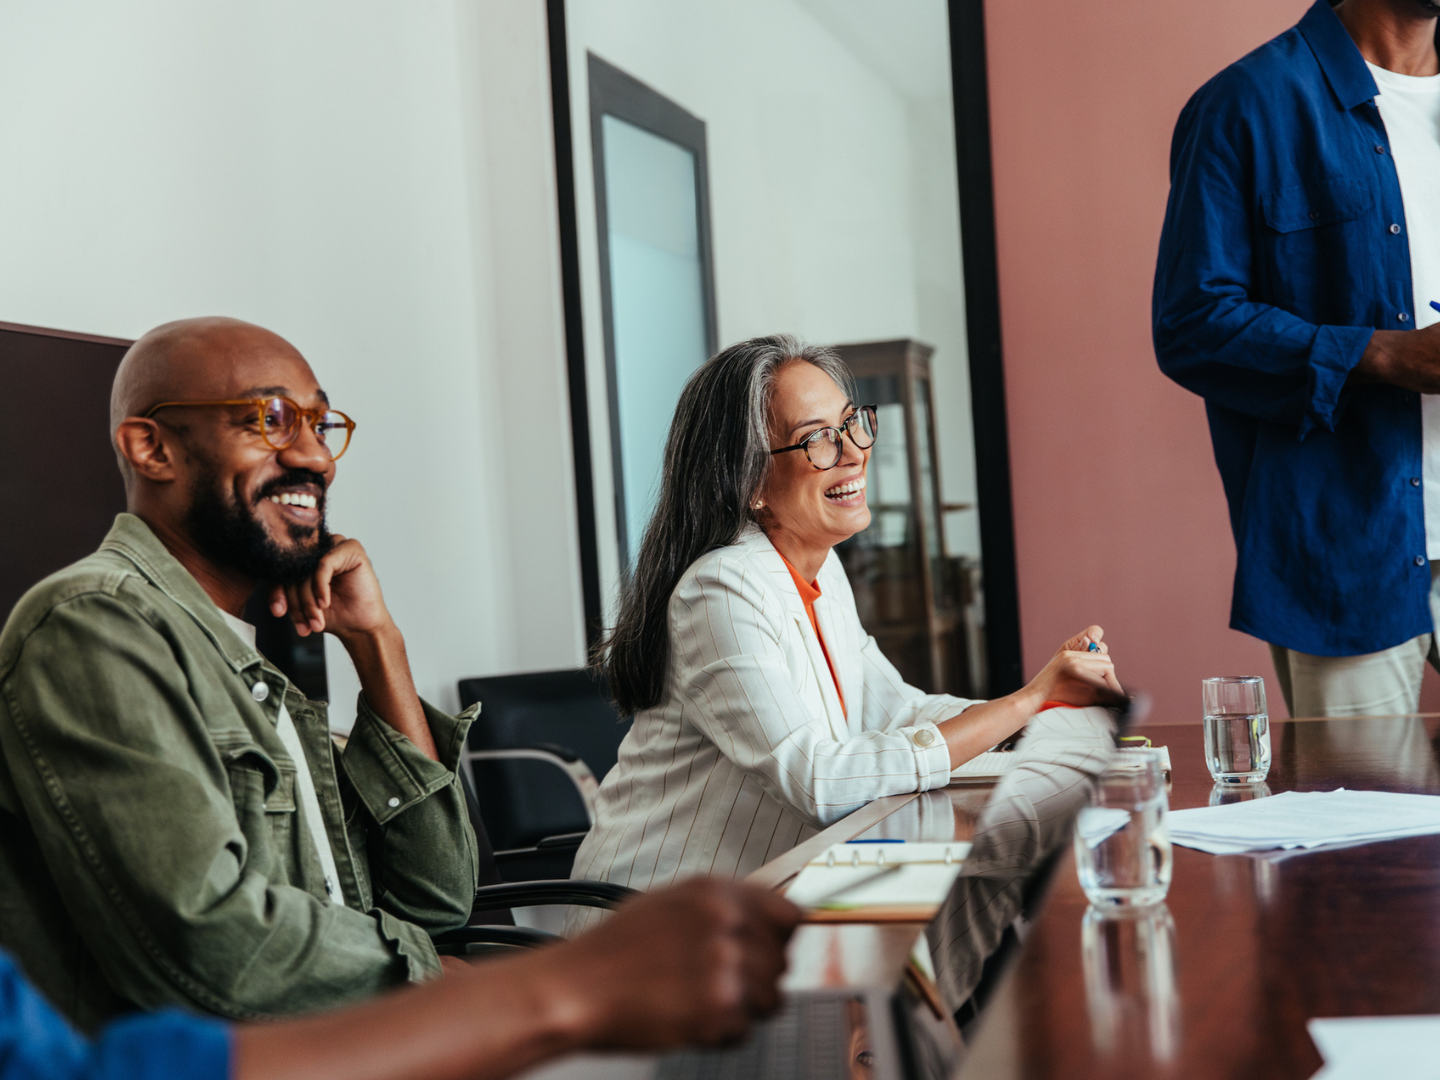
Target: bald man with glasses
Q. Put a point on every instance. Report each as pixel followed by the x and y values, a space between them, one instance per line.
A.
pixel 176 825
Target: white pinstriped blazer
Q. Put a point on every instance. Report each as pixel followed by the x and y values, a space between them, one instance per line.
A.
pixel 750 752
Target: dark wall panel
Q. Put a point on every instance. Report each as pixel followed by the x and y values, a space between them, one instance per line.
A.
pixel 60 488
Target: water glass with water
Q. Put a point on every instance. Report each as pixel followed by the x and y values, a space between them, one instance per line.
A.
pixel 1237 729
pixel 1122 841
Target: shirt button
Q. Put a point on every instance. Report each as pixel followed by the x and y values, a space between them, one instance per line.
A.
pixel 1419 560
pixel 924 737
pixel 1403 317
pixel 393 802
pixel 1414 481
pixel 260 691
pixel 1394 230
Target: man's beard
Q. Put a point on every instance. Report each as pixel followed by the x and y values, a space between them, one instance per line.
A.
pixel 228 533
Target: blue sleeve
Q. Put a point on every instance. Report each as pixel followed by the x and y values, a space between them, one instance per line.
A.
pixel 1211 335
pixel 36 1043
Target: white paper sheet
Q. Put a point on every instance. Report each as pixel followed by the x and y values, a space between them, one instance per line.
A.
pixel 1393 1047
pixel 1308 819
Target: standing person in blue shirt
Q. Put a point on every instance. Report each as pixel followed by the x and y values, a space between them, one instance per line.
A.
pixel 1299 259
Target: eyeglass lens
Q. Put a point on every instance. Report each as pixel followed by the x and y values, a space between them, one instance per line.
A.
pixel 826 446
pixel 281 426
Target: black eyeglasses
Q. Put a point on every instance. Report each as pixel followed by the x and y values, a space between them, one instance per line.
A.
pixel 825 447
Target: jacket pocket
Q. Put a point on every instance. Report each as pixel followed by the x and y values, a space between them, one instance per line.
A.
pixel 1316 204
pixel 264 798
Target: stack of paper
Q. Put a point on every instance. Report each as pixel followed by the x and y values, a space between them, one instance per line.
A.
pixel 993 764
pixel 1305 819
pixel 1363 1047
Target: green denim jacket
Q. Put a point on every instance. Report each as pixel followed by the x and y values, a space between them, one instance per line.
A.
pixel 151 851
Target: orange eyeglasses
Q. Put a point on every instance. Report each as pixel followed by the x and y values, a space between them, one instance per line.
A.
pixel 280 421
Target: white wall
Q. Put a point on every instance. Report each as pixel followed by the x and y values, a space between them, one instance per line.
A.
pixel 834 212
pixel 372 180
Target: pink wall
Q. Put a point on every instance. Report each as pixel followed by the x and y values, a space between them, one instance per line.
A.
pixel 1119 514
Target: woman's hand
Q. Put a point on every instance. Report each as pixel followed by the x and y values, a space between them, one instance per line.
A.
pixel 1077 675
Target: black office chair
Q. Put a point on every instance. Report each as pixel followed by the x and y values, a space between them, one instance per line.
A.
pixel 536 754
pixel 491 927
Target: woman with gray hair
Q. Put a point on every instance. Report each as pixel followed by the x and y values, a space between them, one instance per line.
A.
pixel 763 710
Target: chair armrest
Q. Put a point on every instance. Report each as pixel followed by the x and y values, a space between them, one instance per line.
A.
pixel 479 940
pixel 597 894
pixel 564 760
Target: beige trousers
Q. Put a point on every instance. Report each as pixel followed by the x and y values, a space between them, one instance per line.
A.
pixel 1375 684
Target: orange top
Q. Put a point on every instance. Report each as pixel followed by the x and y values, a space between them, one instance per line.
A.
pixel 809 593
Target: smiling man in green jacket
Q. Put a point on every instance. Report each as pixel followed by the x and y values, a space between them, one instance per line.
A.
pixel 176 826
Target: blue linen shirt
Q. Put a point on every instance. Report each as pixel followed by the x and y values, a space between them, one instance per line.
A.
pixel 1284 248
pixel 36 1043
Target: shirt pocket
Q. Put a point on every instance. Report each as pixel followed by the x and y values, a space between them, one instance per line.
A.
pixel 1318 248
pixel 263 793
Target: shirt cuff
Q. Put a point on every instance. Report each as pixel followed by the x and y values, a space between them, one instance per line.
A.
pixel 411 944
pixel 1336 351
pixel 166 1044
pixel 390 773
pixel 932 756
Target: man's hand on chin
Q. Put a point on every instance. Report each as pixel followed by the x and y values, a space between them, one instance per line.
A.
pixel 343 597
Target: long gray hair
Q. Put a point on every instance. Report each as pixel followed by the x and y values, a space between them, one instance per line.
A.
pixel 717 457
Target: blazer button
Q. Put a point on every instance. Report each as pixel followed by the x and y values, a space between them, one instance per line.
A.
pixel 1403 317
pixel 1394 230
pixel 260 691
pixel 1419 560
pixel 1414 481
pixel 393 802
pixel 924 737
pixel 1379 149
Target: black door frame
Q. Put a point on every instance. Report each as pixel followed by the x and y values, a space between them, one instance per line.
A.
pixel 615 93
pixel 982 309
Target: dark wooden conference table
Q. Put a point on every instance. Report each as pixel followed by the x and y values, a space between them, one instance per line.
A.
pixel 1220 981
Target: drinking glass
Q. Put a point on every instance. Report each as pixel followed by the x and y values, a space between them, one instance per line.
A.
pixel 1237 729
pixel 1122 841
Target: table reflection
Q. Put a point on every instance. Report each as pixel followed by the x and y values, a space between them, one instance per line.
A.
pixel 1129 961
pixel 1225 794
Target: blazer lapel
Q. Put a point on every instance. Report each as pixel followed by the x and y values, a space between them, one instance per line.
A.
pixel 770 559
pixel 845 658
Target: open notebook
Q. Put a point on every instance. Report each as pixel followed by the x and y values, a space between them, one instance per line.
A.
pixel 993 764
pixel 879 882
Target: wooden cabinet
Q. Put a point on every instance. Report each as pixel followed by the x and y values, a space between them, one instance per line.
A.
pixel 923 607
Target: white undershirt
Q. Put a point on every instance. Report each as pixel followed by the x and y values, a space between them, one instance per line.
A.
pixel 304 783
pixel 1410 107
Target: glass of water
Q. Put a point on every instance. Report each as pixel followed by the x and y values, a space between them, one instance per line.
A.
pixel 1237 729
pixel 1122 840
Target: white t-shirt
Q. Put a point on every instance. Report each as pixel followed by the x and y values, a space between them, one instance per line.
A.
pixel 1410 107
pixel 304 783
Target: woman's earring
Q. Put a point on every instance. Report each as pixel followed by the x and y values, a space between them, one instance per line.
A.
pixel 758 504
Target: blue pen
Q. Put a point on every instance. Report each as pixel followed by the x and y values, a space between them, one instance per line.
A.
pixel 875 841
pixel 1435 305
pixel 1096 648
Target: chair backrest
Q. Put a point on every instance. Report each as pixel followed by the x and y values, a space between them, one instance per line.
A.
pixel 521 801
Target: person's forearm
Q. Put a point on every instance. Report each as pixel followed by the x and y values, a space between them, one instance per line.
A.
pixel 479 1025
pixel 982 726
pixel 384 672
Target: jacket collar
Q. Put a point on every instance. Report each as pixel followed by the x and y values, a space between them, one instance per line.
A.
pixel 131 537
pixel 1339 57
